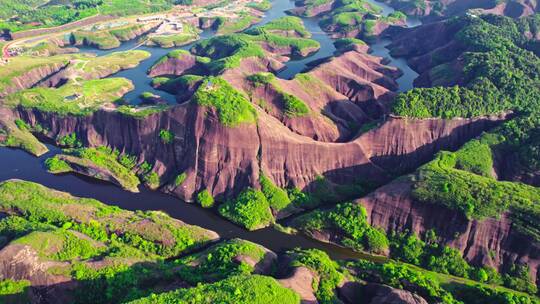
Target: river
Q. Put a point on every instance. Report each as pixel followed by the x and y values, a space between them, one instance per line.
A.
pixel 17 164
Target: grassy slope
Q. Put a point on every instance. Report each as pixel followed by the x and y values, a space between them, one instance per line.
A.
pixel 73 98
pixel 152 232
pixel 98 157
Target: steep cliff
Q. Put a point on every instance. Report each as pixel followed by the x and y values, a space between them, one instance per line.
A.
pixel 493 242
pixel 32 77
pixel 226 160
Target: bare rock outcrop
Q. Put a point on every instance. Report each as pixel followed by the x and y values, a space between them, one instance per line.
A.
pixel 174 65
pixel 21 262
pixel 301 281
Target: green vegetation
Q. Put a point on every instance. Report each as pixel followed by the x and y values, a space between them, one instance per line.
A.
pixel 20 66
pixel 10 287
pixel 152 180
pixel 109 64
pixel 150 232
pixel 141 112
pixel 205 199
pixel 356 16
pixel 232 107
pixel 344 44
pixel 108 37
pixel 56 166
pixel 129 247
pixel 434 287
pixel 250 209
pixel 252 289
pixel 262 6
pixel 174 85
pixel 179 180
pixel 294 106
pixel 276 197
pixel 220 261
pixel 501 75
pixel 330 276
pixel 398 275
pixel 350 220
pixel 69 140
pixel 260 79
pixel 445 260
pixel 239 24
pixel 60 245
pixel 103 158
pixel 167 137
pixel 287 24
pixel 18 134
pixel 476 155
pixel 30 14
pixel 72 98
pixel 476 196
pixel 227 51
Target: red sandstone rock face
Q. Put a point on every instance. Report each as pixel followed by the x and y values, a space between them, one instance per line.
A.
pixel 301 9
pixel 301 281
pixel 31 78
pixel 226 160
pixel 174 66
pixel 350 89
pixel 491 241
pixel 21 262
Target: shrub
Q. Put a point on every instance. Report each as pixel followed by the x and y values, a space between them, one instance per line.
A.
pixel 232 107
pixel 350 219
pixel 277 198
pixel 180 179
pixel 11 287
pixel 167 137
pixel 250 209
pixel 449 261
pixel 69 140
pixel 328 271
pixel 205 199
pixel 293 106
pixel 55 165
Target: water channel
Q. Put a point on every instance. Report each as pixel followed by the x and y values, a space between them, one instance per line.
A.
pixel 17 164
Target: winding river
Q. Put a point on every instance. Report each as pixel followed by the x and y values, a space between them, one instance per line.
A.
pixel 17 164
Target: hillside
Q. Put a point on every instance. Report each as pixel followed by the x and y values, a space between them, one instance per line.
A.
pixel 288 126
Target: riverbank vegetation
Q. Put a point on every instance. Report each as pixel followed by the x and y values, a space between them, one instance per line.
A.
pixel 349 222
pixel 236 289
pixel 150 232
pixel 242 22
pixel 250 210
pixel 100 162
pixel 130 248
pixel 18 134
